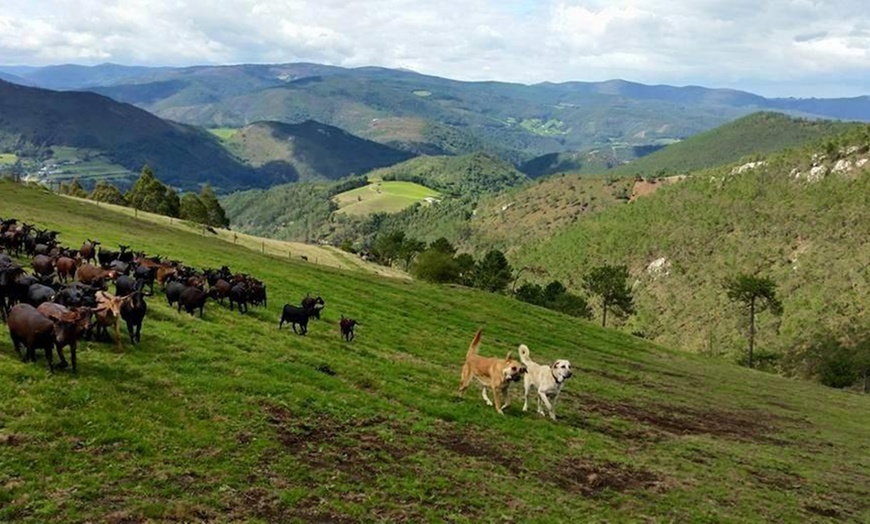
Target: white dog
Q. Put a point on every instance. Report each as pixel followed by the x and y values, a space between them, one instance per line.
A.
pixel 548 381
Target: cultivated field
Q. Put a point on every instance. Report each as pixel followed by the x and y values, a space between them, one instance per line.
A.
pixel 228 419
pixel 382 197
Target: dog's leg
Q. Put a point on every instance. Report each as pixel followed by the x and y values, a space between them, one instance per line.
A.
pixel 507 397
pixel 464 380
pixel 495 395
pixel 527 385
pixel 543 397
pixel 486 398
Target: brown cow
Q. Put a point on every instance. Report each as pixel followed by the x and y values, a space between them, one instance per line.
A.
pixel 220 290
pixel 43 265
pixel 29 327
pixel 88 251
pixel 89 274
pixel 66 268
pixel 164 272
pixel 76 324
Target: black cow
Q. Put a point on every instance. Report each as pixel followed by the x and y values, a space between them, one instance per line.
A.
pixel 192 298
pixel 294 315
pixel 314 303
pixel 133 312
pixel 173 292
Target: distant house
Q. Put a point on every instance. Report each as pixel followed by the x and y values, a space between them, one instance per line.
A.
pixel 431 200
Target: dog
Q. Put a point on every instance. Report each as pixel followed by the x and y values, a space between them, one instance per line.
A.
pixel 547 380
pixel 494 373
pixel 347 325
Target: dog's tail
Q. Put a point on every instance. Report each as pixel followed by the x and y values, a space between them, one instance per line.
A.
pixel 524 354
pixel 475 343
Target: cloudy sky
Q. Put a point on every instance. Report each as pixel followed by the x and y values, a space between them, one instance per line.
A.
pixel 772 47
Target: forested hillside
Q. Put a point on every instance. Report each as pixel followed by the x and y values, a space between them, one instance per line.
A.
pixel 800 218
pixel 309 151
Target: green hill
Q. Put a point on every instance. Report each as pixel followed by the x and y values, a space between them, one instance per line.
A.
pixel 799 217
pixel 756 134
pixel 34 121
pixel 227 418
pixel 309 151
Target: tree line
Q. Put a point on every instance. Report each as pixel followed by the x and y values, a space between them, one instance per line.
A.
pixel 439 262
pixel 151 195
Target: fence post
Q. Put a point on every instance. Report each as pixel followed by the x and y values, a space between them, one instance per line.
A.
pixel 263 247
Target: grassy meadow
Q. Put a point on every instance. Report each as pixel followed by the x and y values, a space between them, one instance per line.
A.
pixel 228 419
pixel 382 197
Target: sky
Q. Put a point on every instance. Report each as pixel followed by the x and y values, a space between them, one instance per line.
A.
pixel 799 48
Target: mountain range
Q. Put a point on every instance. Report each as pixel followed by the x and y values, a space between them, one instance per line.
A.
pixel 426 114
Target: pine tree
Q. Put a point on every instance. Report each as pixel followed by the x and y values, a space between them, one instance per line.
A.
pixel 217 216
pixel 610 283
pixel 193 209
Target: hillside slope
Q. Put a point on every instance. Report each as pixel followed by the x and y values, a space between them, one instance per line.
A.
pixel 800 217
pixel 35 120
pixel 310 151
pixel 756 134
pixel 227 418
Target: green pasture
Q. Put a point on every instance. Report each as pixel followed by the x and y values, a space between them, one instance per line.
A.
pixel 382 197
pixel 229 419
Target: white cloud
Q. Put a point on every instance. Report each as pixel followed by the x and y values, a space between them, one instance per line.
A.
pixel 778 47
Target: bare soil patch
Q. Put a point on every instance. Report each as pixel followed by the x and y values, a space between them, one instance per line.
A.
pixel 588 478
pixel 469 443
pixel 682 420
pixel 353 446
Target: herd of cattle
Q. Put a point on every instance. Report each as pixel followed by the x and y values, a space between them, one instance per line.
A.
pixel 66 297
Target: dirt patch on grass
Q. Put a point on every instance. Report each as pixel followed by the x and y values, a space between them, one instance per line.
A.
pixel 469 443
pixel 12 439
pixel 588 478
pixel 359 447
pixel 780 480
pixel 681 420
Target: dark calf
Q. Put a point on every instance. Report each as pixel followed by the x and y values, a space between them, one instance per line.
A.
pixel 173 292
pixel 28 327
pixel 192 298
pixel 239 296
pixel 294 315
pixel 347 325
pixel 38 293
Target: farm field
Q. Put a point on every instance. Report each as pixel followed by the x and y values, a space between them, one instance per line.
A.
pixel 228 419
pixel 8 158
pixel 382 197
pixel 224 133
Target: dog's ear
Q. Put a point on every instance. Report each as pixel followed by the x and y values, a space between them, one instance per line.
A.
pixel 556 363
pixel 508 357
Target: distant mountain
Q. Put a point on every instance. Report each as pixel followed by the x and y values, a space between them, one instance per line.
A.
pixel 595 161
pixel 310 150
pixel 430 115
pixel 33 120
pixel 71 76
pixel 9 77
